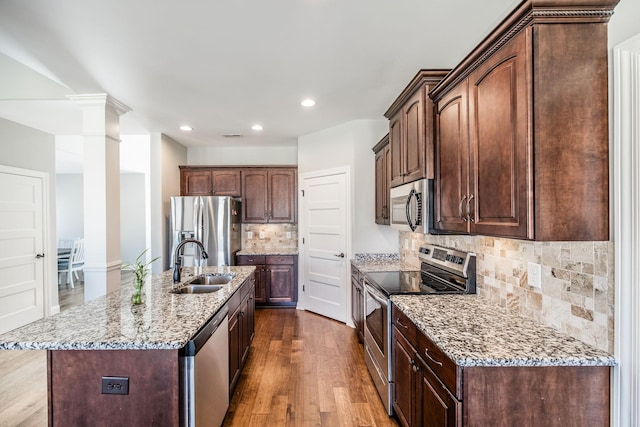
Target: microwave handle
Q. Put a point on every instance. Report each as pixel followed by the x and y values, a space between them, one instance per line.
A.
pixel 412 224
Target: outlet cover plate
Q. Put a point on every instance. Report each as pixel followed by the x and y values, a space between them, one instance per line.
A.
pixel 115 385
pixel 534 273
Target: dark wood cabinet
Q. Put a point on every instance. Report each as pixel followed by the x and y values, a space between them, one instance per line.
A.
pixel 241 329
pixel 209 181
pixel 481 174
pixel 534 162
pixel 431 390
pixel 411 129
pixel 269 195
pixel 276 279
pixel 382 180
pixel 357 302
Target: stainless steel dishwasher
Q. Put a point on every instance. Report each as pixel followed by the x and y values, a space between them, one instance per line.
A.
pixel 204 374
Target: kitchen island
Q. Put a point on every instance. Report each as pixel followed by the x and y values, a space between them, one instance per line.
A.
pixel 110 338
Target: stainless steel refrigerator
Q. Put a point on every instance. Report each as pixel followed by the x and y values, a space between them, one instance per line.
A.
pixel 213 220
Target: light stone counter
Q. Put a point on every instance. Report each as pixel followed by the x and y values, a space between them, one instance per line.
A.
pixel 273 251
pixel 165 321
pixel 474 332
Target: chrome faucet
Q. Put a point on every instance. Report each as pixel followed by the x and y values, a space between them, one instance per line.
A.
pixel 178 261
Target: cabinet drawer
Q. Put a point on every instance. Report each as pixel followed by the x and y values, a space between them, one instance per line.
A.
pixel 404 325
pixel 439 362
pixel 355 273
pixel 279 259
pixel 250 259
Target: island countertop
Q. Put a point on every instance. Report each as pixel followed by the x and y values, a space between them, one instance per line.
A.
pixel 472 331
pixel 110 322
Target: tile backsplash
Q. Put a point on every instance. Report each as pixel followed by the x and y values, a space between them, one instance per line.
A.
pixel 577 294
pixel 260 237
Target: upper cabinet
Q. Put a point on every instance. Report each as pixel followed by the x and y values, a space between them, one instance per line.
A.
pixel 411 129
pixel 269 195
pixel 209 181
pixel 268 192
pixel 383 179
pixel 521 146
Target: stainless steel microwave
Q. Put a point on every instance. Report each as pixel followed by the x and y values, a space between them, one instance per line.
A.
pixel 411 206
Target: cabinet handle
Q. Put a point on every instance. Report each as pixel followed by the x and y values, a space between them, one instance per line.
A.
pixel 414 366
pixel 471 218
pixel 400 323
pixel 426 353
pixel 460 208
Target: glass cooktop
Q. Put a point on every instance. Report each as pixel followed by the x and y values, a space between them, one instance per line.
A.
pixel 411 282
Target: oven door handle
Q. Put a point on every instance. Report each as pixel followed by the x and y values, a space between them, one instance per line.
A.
pixel 374 294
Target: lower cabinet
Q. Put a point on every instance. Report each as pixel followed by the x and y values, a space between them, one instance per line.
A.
pixel 420 399
pixel 276 279
pixel 357 302
pixel 241 329
pixel 431 390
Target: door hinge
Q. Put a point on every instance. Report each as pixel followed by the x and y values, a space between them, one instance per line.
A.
pixel 302 193
pixel 302 288
pixel 303 240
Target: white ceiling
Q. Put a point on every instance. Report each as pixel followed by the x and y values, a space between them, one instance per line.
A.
pixel 221 66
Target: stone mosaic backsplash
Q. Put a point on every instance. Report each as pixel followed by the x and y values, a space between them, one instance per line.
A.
pixel 267 237
pixel 577 294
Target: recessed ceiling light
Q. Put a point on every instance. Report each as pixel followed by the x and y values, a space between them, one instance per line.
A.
pixel 308 103
pixel 186 128
pixel 256 127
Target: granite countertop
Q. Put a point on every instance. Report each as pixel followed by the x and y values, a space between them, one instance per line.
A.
pixel 111 322
pixel 273 251
pixel 474 332
pixel 381 262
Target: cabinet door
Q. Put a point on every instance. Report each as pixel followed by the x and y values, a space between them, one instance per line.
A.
pixel 254 196
pixel 452 161
pixel 395 145
pixel 282 196
pixel 280 280
pixel 436 406
pixel 382 187
pixel 245 330
pixel 413 156
pixel 260 289
pixel 404 374
pixel 196 183
pixel 498 123
pixel 235 354
pixel 226 182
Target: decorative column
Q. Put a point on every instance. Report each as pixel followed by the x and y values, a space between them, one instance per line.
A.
pixel 101 132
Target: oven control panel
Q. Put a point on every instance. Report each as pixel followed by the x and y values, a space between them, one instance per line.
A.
pixel 449 259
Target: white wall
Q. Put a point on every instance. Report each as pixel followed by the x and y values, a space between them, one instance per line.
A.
pixel 69 205
pixel 221 156
pixel 350 144
pixel 166 156
pixel 27 148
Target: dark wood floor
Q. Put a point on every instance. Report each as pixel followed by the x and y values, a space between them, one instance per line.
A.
pixel 303 370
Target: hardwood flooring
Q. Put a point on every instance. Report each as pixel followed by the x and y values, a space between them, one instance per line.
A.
pixel 303 370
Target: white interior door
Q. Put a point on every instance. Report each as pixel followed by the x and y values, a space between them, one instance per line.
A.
pixel 21 241
pixel 325 245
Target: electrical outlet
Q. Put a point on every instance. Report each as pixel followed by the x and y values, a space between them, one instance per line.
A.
pixel 115 385
pixel 406 243
pixel 262 234
pixel 534 273
pixel 413 245
pixel 288 234
pixel 249 234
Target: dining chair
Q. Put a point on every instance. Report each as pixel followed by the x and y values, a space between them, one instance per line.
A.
pixel 74 264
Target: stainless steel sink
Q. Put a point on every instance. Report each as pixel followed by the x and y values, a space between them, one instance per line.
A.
pixel 197 289
pixel 211 279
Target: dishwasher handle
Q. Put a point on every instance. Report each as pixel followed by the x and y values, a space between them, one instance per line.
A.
pixel 202 336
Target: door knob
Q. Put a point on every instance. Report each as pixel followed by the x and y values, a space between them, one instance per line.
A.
pixel 340 255
pixel 39 256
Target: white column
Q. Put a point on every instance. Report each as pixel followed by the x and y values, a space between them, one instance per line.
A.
pixel 626 178
pixel 101 134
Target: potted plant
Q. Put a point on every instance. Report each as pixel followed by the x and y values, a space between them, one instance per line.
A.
pixel 140 269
